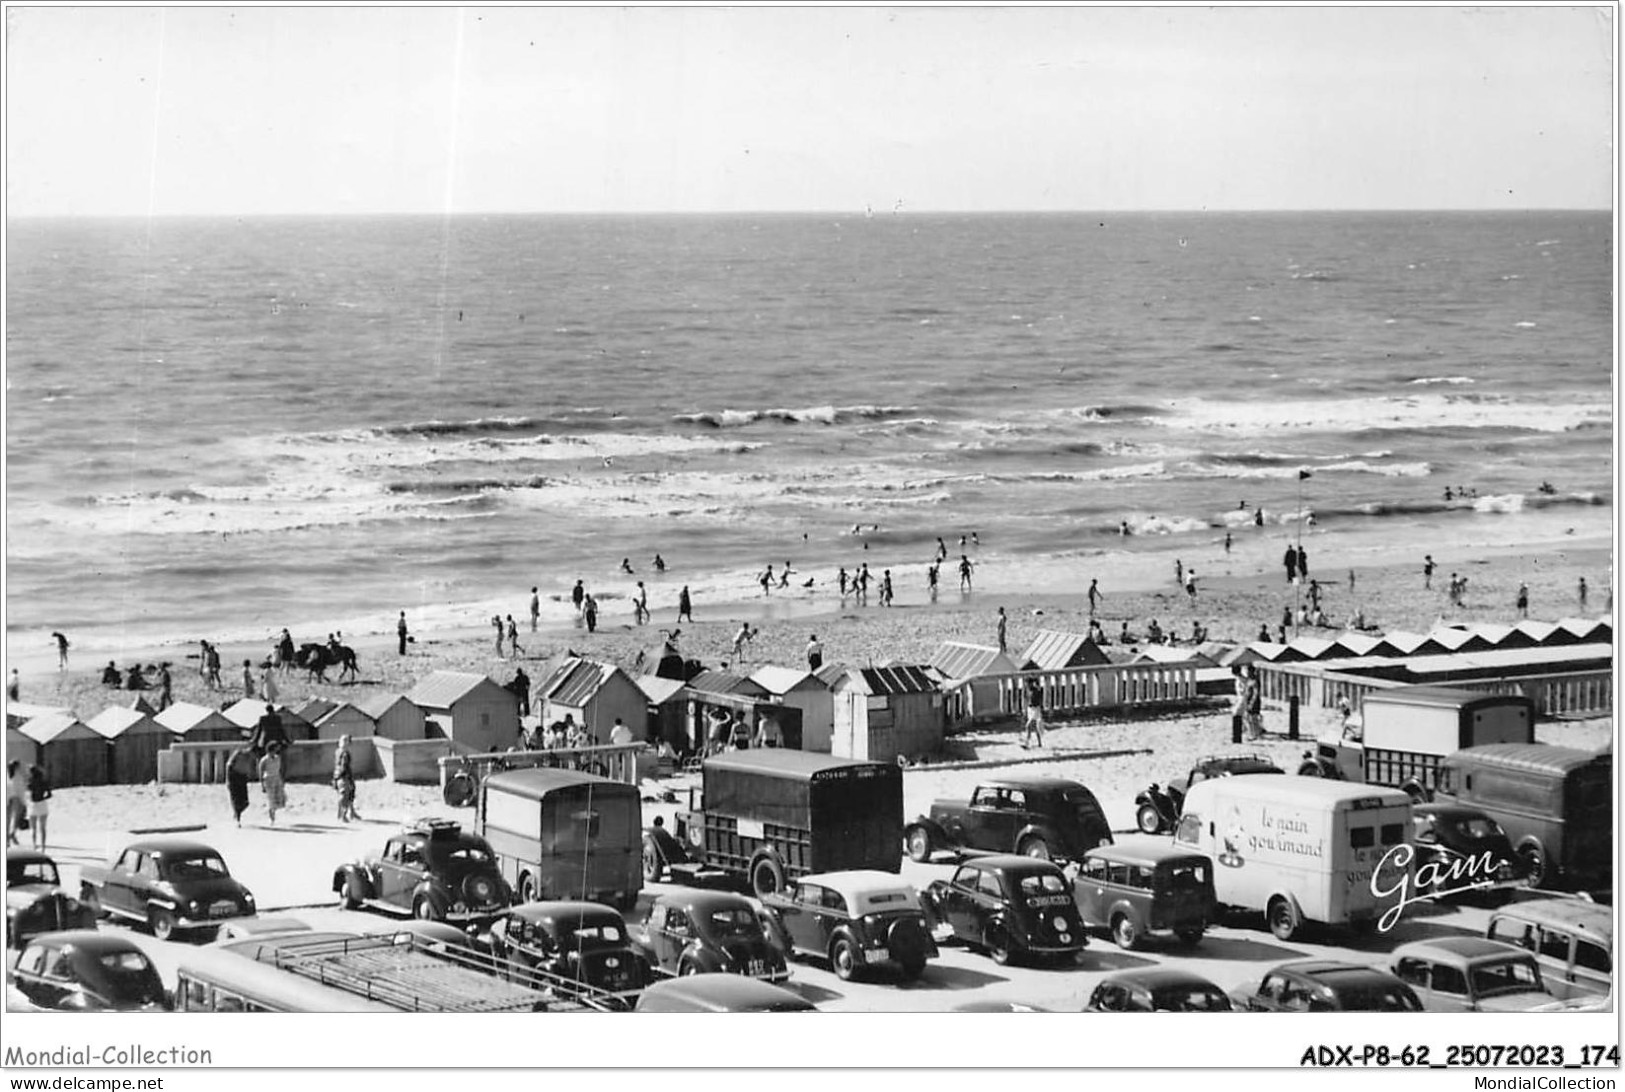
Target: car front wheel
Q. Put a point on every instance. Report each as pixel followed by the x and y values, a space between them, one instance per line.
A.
pixel 1283 923
pixel 162 922
pixel 918 844
pixel 424 909
pixel 1124 932
pixel 997 943
pixel 1149 819
pixel 347 898
pixel 1535 863
pixel 843 959
pixel 1034 846
pixel 651 863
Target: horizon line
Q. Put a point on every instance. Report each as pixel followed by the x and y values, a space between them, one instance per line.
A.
pixel 862 213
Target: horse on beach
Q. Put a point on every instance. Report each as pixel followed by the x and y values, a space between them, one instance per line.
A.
pixel 316 659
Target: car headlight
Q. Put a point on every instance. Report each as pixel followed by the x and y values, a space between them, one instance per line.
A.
pixel 459 907
pixel 193 907
pixel 248 898
pixel 1059 923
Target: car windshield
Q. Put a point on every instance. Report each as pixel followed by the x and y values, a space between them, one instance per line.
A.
pixel 733 923
pixel 21 872
pixel 1190 999
pixel 203 866
pixel 593 933
pixel 1507 976
pixel 1477 828
pixel 131 977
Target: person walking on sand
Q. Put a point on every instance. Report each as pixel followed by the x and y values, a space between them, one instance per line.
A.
pixel 1190 584
pixel 1351 580
pixel 740 639
pixel 1179 573
pixel 285 653
pixel 885 589
pixel 685 605
pixel 14 687
pixel 1583 593
pixel 165 687
pixel 784 575
pixel 965 567
pixel 1290 560
pixel 589 611
pixel 267 683
pixel 841 581
pixel 1303 564
pixel 513 638
pixel 39 805
pixel 1227 541
pixel 815 653
pixel 344 780
pixel 1428 566
pixel 496 623
pixel 400 634
pixel 535 608
pixel 1003 644
pixel 248 679
pixel 61 650
pixel 640 605
pixel 1523 600
pixel 932 575
pixel 271 781
pixel 240 770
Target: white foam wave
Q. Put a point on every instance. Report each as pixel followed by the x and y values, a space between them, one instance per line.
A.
pixel 1418 411
pixel 823 415
pixel 1504 502
pixel 1392 470
pixel 1432 379
pixel 1165 525
pixel 1524 325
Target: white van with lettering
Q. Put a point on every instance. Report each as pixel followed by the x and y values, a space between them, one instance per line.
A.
pixel 1303 849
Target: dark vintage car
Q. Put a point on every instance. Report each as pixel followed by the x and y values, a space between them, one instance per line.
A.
pixel 1157 809
pixel 583 941
pixel 35 901
pixel 1046 817
pixel 701 932
pixel 1325 985
pixel 1157 989
pixel 434 870
pixel 1010 907
pixel 82 970
pixel 720 993
pixel 172 885
pixel 1142 886
pixel 857 920
pixel 1469 852
pixel 1470 974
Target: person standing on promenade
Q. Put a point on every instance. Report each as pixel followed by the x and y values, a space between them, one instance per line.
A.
pixel 248 679
pixel 1582 593
pixel 344 780
pixel 400 634
pixel 1428 566
pixel 39 804
pixel 61 650
pixel 815 653
pixel 1003 645
pixel 535 608
pixel 1290 560
pixel 271 781
pixel 240 770
pixel 589 611
pixel 1523 600
pixel 513 638
pixel 16 800
pixel 685 605
pixel 1033 727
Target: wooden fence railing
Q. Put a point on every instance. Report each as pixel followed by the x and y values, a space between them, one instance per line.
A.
pixel 1577 693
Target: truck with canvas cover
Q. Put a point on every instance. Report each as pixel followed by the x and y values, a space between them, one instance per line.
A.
pixel 771 816
pixel 1301 849
pixel 563 834
pixel 1402 734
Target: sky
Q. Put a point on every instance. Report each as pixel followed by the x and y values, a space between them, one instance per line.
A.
pixel 325 110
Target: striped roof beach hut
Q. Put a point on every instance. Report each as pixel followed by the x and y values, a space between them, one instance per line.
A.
pixel 962 660
pixel 882 713
pixel 68 751
pixel 1353 644
pixel 1053 650
pixel 199 724
pixel 133 742
pixel 595 694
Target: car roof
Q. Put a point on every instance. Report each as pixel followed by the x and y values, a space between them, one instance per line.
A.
pixel 1458 947
pixel 26 855
pixel 802 765
pixel 1010 862
pixel 1143 849
pixel 1296 789
pixel 89 941
pixel 1159 978
pixel 173 847
pixel 1330 970
pixel 727 992
pixel 566 908
pixel 1034 784
pixel 258 926
pixel 1540 757
pixel 705 901
pixel 857 882
pixel 1443 810
pixel 1581 915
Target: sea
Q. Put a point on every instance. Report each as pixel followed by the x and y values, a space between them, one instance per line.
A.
pixel 218 427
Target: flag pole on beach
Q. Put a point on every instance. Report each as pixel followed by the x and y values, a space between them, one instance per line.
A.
pixel 1297 587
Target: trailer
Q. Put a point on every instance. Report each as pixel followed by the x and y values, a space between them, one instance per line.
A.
pixel 1402 735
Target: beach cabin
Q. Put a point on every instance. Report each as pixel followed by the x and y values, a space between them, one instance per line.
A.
pixel 884 712
pixel 394 717
pixel 1053 650
pixel 199 724
pixel 668 710
pixel 245 713
pixel 797 688
pixel 476 713
pixel 1582 631
pixel 134 740
pixel 663 661
pixel 19 713
pixel 970 676
pixel 68 751
pixel 595 694
pixel 343 719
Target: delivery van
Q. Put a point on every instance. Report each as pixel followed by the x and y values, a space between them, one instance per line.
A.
pixel 1302 849
pixel 562 834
